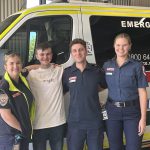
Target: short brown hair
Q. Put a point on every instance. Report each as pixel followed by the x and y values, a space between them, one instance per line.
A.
pixel 43 46
pixel 78 41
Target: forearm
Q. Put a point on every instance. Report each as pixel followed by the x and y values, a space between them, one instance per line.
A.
pixel 32 67
pixel 143 102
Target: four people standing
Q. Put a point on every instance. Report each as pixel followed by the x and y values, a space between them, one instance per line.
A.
pixel 127 97
pixel 126 105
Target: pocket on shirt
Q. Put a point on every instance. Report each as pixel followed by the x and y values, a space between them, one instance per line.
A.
pixel 127 80
pixel 110 78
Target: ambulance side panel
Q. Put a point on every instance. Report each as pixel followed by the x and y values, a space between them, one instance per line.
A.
pixel 96 25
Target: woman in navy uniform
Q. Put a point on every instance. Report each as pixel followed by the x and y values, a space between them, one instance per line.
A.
pixel 16 101
pixel 127 97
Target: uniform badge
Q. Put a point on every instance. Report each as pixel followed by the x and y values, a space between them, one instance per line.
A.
pixel 110 69
pixel 3 99
pixel 16 94
pixel 72 79
pixel 109 73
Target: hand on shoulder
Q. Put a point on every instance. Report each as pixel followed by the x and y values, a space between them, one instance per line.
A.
pixel 31 67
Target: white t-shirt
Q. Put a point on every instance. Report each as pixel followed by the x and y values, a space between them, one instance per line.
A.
pixel 46 87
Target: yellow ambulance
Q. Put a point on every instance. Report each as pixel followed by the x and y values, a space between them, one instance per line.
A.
pixel 96 23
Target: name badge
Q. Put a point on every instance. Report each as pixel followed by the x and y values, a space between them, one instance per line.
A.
pixel 110 69
pixel 109 73
pixel 105 115
pixel 72 79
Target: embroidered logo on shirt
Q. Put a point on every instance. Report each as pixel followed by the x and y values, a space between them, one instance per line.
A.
pixel 72 79
pixel 3 99
pixel 110 69
pixel 16 94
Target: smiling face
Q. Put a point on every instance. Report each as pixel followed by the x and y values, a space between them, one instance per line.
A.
pixel 122 46
pixel 44 56
pixel 13 66
pixel 79 53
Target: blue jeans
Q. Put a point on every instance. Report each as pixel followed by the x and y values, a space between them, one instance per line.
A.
pixel 76 138
pixel 54 135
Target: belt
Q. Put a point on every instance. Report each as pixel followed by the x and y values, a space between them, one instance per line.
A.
pixel 123 103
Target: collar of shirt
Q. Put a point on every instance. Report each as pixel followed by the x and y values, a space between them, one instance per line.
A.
pixel 128 60
pixel 88 67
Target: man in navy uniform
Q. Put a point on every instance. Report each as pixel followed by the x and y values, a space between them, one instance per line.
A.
pixel 84 81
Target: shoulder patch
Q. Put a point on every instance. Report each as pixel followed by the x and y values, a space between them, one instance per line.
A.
pixel 68 68
pixel 3 99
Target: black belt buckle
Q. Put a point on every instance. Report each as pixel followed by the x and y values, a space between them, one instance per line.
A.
pixel 120 104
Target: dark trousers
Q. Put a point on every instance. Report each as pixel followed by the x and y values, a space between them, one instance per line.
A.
pixel 54 135
pixel 76 139
pixel 123 120
pixel 24 144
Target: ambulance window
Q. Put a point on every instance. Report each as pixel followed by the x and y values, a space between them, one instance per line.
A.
pixel 57 30
pixel 32 43
pixel 105 28
pixel 18 43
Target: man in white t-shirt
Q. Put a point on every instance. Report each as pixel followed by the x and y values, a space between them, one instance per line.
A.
pixel 46 86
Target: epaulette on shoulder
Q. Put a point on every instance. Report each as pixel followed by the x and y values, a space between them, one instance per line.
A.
pixel 4 84
pixel 110 60
pixel 68 68
pixel 136 61
pixel 94 65
pixel 2 91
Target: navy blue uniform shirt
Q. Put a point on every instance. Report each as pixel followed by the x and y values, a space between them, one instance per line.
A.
pixel 84 110
pixel 123 82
